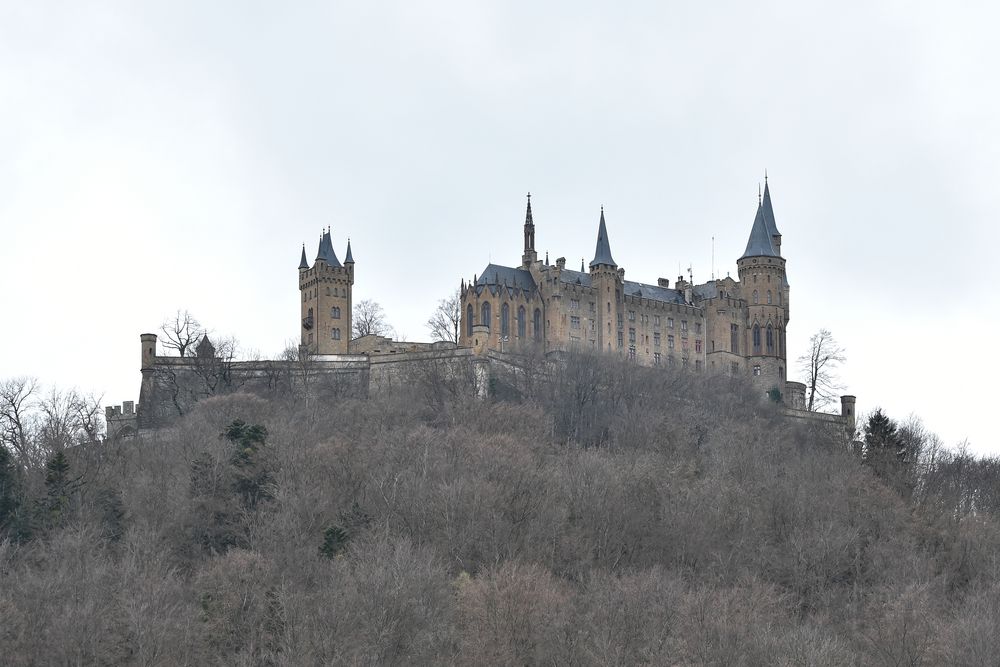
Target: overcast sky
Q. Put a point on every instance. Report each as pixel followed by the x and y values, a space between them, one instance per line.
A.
pixel 156 156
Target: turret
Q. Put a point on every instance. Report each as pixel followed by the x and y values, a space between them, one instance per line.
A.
pixel 148 343
pixel 607 281
pixel 772 228
pixel 765 288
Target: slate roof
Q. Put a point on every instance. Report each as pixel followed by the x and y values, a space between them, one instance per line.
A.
pixel 303 263
pixel 602 254
pixel 496 275
pixel 574 277
pixel 653 292
pixel 772 228
pixel 350 258
pixel 759 243
pixel 326 252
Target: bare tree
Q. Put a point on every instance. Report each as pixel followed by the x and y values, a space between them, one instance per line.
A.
pixel 444 323
pixel 369 319
pixel 820 368
pixel 182 333
pixel 17 424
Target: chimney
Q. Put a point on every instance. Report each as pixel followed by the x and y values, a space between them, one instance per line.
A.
pixel 663 282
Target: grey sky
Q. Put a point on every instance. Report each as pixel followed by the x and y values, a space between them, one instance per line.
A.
pixel 158 156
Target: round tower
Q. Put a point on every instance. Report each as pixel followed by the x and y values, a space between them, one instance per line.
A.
pixel 764 287
pixel 607 281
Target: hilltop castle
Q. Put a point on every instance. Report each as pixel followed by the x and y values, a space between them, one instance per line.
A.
pixel 722 326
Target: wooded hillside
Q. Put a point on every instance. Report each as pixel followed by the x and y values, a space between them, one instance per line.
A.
pixel 610 515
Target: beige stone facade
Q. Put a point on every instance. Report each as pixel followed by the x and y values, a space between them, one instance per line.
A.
pixel 325 294
pixel 721 326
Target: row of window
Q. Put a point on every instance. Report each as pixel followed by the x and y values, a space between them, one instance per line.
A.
pixel 486 317
pixel 756 297
pixel 313 293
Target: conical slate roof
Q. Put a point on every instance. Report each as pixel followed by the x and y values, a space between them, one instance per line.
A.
pixel 759 244
pixel 772 228
pixel 303 263
pixel 602 254
pixel 350 258
pixel 326 252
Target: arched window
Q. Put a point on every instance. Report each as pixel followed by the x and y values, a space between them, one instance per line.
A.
pixel 335 334
pixel 769 297
pixel 537 324
pixel 486 315
pixel 755 296
pixel 468 319
pixel 520 322
pixel 770 339
pixel 756 339
pixel 505 320
pixel 779 297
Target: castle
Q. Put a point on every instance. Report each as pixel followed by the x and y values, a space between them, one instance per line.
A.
pixel 723 326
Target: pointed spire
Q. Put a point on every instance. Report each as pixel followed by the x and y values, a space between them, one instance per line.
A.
pixel 303 263
pixel 326 252
pixel 759 244
pixel 772 228
pixel 581 265
pixel 527 216
pixel 349 259
pixel 602 254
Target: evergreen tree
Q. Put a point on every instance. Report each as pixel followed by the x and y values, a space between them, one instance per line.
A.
pixel 57 490
pixel 9 492
pixel 252 477
pixel 882 449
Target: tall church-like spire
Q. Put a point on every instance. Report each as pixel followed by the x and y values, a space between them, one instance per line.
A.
pixel 602 254
pixel 530 256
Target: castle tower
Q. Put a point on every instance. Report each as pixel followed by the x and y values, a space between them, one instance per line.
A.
pixel 530 256
pixel 326 296
pixel 765 288
pixel 607 282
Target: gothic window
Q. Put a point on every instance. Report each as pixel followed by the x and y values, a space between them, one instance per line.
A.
pixel 335 334
pixel 505 320
pixel 770 339
pixel 755 296
pixel 631 335
pixel 631 352
pixel 486 315
pixel 574 322
pixel 734 338
pixel 468 319
pixel 520 322
pixel 670 341
pixel 335 312
pixel 756 339
pixel 769 297
pixel 537 324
